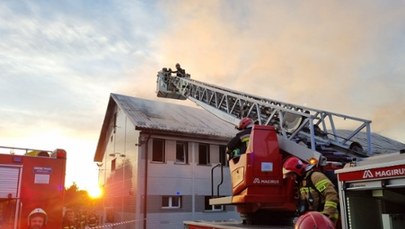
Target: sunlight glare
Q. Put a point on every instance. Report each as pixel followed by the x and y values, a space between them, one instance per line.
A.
pixel 95 192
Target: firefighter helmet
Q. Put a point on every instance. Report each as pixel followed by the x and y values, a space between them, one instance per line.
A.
pixel 40 212
pixel 314 220
pixel 245 123
pixel 295 165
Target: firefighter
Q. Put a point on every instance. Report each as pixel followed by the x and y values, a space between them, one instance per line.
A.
pixel 37 219
pixel 238 144
pixel 180 72
pixel 92 220
pixel 314 220
pixel 316 191
pixel 82 219
pixel 69 221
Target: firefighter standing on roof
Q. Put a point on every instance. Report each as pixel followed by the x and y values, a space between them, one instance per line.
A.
pixel 317 192
pixel 238 144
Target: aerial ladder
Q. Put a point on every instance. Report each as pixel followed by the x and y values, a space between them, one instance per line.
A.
pixel 317 129
pixel 281 129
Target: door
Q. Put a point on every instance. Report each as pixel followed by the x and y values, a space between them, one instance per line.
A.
pixel 10 177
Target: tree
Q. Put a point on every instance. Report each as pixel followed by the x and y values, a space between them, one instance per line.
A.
pixel 75 198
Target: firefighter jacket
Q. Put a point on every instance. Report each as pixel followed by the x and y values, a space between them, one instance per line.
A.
pixel 238 144
pixel 317 193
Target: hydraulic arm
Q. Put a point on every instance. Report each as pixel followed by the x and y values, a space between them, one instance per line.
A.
pixel 317 129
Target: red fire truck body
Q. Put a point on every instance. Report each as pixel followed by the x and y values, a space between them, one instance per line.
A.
pixel 258 187
pixel 372 192
pixel 33 180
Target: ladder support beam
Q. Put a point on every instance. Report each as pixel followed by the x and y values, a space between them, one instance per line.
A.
pixel 316 128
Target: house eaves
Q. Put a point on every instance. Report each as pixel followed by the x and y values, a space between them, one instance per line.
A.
pixel 164 118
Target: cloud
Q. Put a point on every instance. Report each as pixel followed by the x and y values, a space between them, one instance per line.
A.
pixel 59 66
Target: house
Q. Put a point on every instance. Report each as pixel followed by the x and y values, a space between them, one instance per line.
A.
pixel 155 162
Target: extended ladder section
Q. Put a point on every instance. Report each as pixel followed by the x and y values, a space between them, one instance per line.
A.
pixel 317 129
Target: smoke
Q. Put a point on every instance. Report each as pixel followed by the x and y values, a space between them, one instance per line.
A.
pixel 326 55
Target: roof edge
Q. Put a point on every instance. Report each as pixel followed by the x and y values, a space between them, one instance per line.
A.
pixel 102 140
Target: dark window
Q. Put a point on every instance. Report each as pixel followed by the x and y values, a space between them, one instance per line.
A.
pixel 203 154
pixel 115 122
pixel 181 152
pixel 113 164
pixel 222 155
pixel 209 207
pixel 158 150
pixel 171 201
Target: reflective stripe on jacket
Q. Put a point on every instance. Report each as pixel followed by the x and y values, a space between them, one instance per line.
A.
pixel 324 199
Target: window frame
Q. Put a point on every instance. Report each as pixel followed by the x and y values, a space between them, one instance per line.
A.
pixel 173 202
pixel 114 164
pixel 223 159
pixel 184 148
pixel 154 151
pixel 207 154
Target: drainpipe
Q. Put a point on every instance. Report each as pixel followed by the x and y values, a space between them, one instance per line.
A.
pixel 145 202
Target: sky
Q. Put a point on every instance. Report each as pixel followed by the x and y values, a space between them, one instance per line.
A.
pixel 60 60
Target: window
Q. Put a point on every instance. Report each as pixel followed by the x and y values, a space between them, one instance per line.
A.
pixel 171 201
pixel 115 122
pixel 222 156
pixel 158 153
pixel 113 162
pixel 209 207
pixel 203 154
pixel 181 152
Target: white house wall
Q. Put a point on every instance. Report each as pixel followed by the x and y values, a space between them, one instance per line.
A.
pixel 190 181
pixel 121 184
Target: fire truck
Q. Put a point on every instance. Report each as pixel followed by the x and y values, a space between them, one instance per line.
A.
pixel 33 179
pixel 259 192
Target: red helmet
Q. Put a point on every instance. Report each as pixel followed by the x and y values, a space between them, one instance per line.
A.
pixel 314 220
pixel 245 123
pixel 295 165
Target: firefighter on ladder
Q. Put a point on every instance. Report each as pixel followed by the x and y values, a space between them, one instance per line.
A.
pixel 316 191
pixel 180 72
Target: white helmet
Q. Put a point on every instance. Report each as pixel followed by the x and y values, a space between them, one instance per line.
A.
pixel 38 211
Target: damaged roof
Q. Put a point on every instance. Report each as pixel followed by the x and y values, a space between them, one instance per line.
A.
pixel 148 114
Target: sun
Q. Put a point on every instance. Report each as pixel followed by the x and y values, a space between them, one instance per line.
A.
pixel 95 192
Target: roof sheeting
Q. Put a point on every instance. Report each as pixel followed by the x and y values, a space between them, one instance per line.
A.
pixel 155 115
